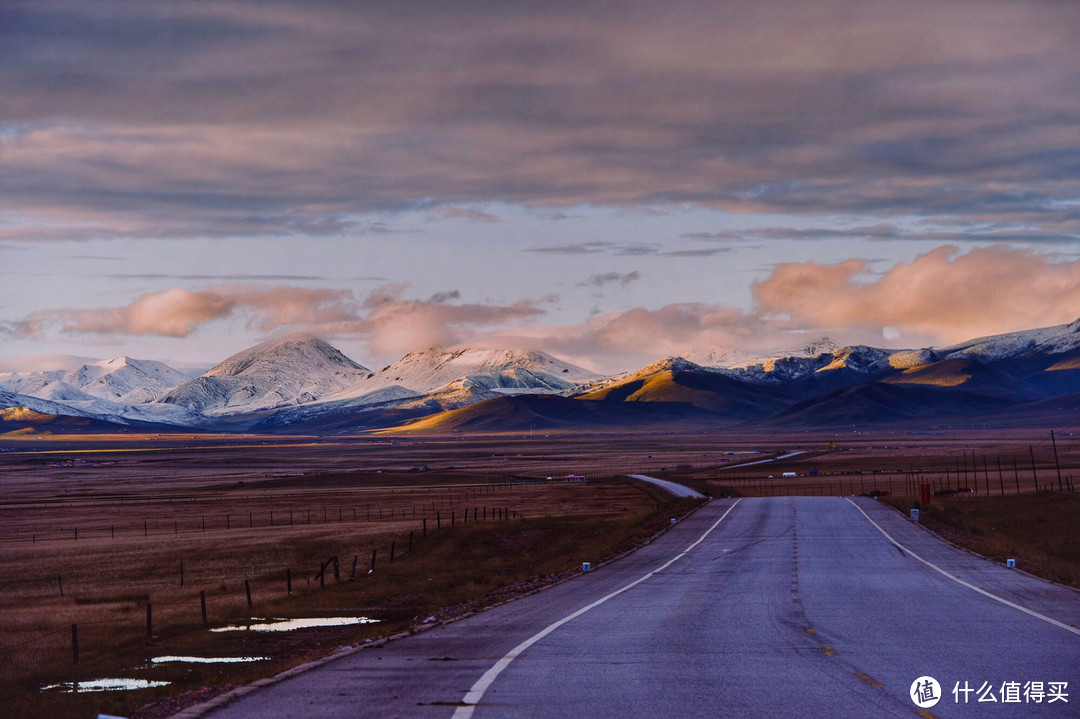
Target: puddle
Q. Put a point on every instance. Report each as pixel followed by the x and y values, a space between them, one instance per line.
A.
pixel 207 660
pixel 288 625
pixel 105 685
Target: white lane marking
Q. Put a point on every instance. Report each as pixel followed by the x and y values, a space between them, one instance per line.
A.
pixel 958 580
pixel 476 693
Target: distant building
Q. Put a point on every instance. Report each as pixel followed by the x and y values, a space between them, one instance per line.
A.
pixel 574 478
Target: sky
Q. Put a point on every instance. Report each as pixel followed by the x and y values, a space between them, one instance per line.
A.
pixel 612 182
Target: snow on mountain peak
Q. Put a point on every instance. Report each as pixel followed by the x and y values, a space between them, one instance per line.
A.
pixel 291 351
pixel 120 379
pixel 502 370
pixel 291 370
pixel 1045 340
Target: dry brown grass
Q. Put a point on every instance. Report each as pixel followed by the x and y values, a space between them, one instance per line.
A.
pixel 163 488
pixel 156 505
pixel 1038 530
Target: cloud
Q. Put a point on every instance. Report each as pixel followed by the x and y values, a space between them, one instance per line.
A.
pixel 943 295
pixel 464 213
pixel 385 318
pixel 236 277
pixel 43 363
pixel 441 297
pixel 172 313
pixel 393 324
pixel 627 340
pixel 938 230
pixel 580 248
pixel 231 118
pixel 699 252
pixel 622 249
pixel 607 278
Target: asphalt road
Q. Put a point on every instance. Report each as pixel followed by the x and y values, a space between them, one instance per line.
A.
pixel 676 490
pixel 788 607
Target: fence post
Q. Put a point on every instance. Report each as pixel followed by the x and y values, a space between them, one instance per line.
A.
pixel 373 551
pixel 149 621
pixel 391 552
pixel 1034 474
pixel 288 581
pixel 355 559
pixel 60 580
pixel 247 590
pixel 337 572
pixel 425 526
pixel 202 601
pixel 1056 463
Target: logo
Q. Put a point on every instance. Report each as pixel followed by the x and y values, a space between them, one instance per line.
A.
pixel 925 692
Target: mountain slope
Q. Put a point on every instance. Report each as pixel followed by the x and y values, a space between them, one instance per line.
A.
pixel 121 379
pixel 538 412
pixel 877 404
pixel 292 370
pixel 676 381
pixel 503 371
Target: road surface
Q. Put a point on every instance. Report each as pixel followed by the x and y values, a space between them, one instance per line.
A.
pixel 765 607
pixel 676 490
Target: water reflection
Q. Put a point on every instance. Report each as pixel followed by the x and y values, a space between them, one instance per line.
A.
pixel 207 660
pixel 288 625
pixel 105 685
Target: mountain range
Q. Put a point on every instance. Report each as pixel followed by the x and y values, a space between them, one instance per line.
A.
pixel 301 384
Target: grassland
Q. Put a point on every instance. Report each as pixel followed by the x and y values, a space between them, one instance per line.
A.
pixel 94 529
pixel 1041 531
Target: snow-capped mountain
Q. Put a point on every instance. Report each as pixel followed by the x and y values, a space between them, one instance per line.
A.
pixel 1045 340
pixel 120 379
pixel 292 370
pixel 119 390
pixel 9 400
pixel 301 383
pixel 84 405
pixel 502 371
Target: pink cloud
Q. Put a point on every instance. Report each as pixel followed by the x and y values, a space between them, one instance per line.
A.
pixel 388 321
pixel 171 313
pixel 941 296
pixel 394 324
